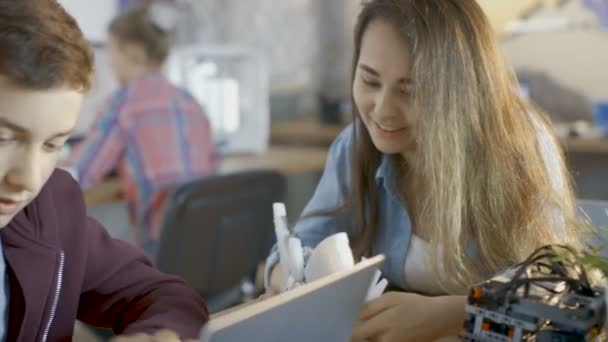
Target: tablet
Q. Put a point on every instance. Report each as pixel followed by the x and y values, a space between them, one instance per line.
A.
pixel 323 310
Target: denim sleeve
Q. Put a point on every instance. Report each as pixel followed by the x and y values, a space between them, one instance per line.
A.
pixel 328 196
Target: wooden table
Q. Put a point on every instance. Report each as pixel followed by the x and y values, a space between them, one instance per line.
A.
pixel 586 146
pixel 306 151
pixel 287 160
pixel 304 132
pixel 312 133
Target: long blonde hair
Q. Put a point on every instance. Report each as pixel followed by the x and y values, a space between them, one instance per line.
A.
pixel 478 153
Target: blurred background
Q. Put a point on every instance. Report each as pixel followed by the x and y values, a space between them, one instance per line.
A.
pixel 274 76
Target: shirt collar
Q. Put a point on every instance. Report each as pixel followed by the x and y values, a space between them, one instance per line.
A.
pixel 387 174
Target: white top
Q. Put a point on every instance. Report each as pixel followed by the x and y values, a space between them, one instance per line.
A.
pixel 418 271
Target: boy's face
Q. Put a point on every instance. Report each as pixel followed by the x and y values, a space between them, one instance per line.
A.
pixel 34 126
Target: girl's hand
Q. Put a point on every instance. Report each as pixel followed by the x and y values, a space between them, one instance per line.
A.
pixel 397 316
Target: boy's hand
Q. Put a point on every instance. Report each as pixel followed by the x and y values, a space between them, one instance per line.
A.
pixel 161 336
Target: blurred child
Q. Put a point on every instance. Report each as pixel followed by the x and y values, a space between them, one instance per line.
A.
pixel 155 134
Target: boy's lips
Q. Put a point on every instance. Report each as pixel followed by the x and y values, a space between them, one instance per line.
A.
pixel 9 205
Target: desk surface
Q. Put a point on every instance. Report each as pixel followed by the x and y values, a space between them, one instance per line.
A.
pixel 284 159
pixel 313 133
pixel 287 160
pixel 586 146
pixel 306 152
pixel 304 132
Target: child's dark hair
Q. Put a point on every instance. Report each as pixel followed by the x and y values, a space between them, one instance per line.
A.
pixel 42 47
pixel 137 26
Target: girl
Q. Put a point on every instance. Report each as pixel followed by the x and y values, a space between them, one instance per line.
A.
pixel 445 170
pixel 156 134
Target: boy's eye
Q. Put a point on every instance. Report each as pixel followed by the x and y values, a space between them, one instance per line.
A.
pixel 6 134
pixel 7 138
pixel 53 147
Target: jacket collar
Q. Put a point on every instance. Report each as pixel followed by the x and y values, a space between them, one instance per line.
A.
pixel 32 260
pixel 387 175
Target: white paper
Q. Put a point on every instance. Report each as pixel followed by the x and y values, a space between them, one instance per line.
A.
pixel 331 255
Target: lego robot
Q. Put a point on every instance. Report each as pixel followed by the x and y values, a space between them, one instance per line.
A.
pixel 548 297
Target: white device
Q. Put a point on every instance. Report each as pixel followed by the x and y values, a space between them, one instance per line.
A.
pixel 290 249
pixel 332 255
pixel 323 310
pixel 232 84
pixel 377 287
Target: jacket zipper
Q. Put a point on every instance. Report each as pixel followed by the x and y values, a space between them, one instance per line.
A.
pixel 56 297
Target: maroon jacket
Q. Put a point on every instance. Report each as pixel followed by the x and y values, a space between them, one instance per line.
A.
pixel 63 266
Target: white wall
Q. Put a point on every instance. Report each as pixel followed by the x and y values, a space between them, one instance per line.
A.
pixel 577 59
pixel 501 12
pixel 104 84
pixel 93 16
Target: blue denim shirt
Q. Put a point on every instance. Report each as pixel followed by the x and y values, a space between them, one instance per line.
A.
pixel 394 222
pixel 394 227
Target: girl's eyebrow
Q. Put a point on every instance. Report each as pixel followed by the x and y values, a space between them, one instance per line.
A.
pixel 374 72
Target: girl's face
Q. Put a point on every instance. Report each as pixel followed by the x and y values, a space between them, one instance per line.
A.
pixel 382 89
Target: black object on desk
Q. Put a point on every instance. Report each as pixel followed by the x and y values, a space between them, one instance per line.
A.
pixel 331 110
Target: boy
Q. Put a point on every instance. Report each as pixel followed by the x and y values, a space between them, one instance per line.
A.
pixel 58 265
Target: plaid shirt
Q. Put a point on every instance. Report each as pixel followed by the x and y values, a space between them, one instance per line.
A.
pixel 156 136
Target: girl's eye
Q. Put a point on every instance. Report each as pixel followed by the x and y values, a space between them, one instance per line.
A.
pixel 370 83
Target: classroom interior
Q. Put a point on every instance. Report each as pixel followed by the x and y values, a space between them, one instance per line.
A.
pixel 277 99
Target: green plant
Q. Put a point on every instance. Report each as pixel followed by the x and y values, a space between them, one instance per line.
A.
pixel 595 253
